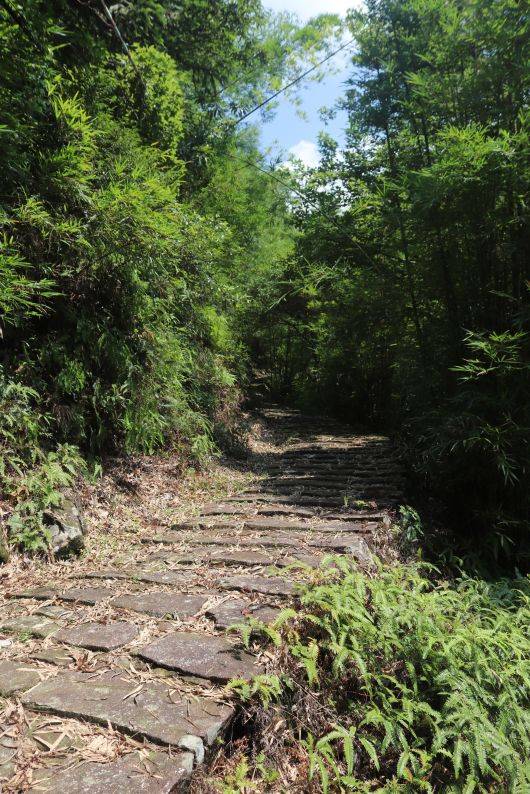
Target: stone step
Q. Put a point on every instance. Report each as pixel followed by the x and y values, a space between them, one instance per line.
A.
pixel 201 655
pixel 259 584
pixel 252 557
pixel 330 483
pixel 160 604
pixel 81 595
pixel 98 636
pixel 134 773
pixel 236 611
pixel 250 507
pixel 347 543
pixel 18 677
pixel 277 524
pixel 148 713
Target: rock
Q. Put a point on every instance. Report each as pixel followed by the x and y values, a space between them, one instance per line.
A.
pixel 7 762
pixel 31 624
pixel 160 604
pixel 200 655
pixel 258 584
pixel 98 636
pixel 17 677
pixel 58 656
pixel 55 612
pixel 240 558
pixel 159 773
pixel 4 551
pixel 153 713
pixel 65 528
pixel 85 595
pixel 194 745
pixel 237 610
pixel 39 594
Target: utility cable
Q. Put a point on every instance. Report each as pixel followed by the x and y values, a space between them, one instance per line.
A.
pixel 293 82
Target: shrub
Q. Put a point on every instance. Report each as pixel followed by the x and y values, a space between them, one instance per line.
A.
pixel 399 683
pixel 32 477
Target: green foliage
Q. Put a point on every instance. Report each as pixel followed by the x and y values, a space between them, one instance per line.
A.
pixel 412 250
pixel 31 477
pixel 483 430
pixel 39 490
pixel 119 324
pixel 420 685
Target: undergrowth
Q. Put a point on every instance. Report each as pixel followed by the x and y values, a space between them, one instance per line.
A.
pixel 399 682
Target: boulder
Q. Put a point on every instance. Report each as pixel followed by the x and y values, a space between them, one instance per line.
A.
pixel 65 529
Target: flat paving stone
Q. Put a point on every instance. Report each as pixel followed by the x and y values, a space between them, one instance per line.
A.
pixel 271 540
pixel 241 558
pixel 58 656
pixel 200 655
pixel 161 604
pixel 110 573
pixel 7 762
pixel 151 714
pixel 159 773
pixel 237 610
pixel 221 510
pixel 286 525
pixel 285 510
pixel 55 612
pixel 353 545
pixel 85 595
pixel 17 677
pixel 99 636
pixel 38 593
pixel 259 584
pixel 141 575
pixel 36 625
pixel 163 577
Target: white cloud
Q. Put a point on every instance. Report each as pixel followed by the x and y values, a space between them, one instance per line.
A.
pixel 307 152
pixel 310 8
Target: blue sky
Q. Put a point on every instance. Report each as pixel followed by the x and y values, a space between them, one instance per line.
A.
pixel 287 132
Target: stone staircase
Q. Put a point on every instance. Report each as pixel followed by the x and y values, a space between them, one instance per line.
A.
pixel 137 656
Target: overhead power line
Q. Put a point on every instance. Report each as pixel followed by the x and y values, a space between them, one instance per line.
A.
pixel 293 82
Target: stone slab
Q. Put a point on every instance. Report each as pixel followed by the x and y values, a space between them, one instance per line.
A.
pixel 141 575
pixel 353 545
pixel 161 604
pixel 109 573
pixel 17 677
pixel 237 610
pixel 200 655
pixel 150 713
pixel 58 656
pixel 85 595
pixel 285 510
pixel 7 762
pixel 99 636
pixel 55 612
pixel 36 625
pixel 163 577
pixel 240 558
pixel 273 585
pixel 271 540
pixel 221 510
pixel 38 593
pixel 282 525
pixel 159 773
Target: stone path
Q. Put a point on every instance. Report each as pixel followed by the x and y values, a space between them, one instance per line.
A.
pixel 137 655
